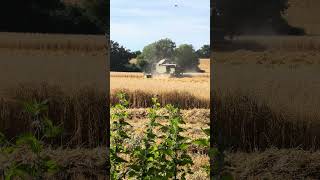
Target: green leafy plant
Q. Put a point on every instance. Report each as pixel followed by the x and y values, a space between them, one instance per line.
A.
pixel 31 144
pixel 147 161
pixel 161 153
pixel 118 136
pixel 175 146
pixel 217 156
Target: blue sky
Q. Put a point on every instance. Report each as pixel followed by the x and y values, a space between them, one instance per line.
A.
pixel 136 23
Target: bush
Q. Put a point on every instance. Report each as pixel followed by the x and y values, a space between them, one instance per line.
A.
pixel 37 166
pixel 157 155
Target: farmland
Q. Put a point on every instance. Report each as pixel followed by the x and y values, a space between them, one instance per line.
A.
pixel 193 90
pixel 190 93
pixel 69 71
pixel 267 96
pixel 63 60
pixel 59 68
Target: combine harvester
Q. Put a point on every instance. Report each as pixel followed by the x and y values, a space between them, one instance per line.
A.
pixel 164 68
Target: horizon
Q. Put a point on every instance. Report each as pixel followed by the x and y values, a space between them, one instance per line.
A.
pixel 135 25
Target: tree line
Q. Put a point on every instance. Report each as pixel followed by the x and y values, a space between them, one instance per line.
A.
pixel 54 16
pixel 185 56
pixel 264 17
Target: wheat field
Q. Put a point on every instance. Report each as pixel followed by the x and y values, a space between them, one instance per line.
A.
pixel 46 43
pixel 68 61
pixel 266 95
pixel 272 91
pixel 197 84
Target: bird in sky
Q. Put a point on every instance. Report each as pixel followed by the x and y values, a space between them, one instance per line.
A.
pixel 176 5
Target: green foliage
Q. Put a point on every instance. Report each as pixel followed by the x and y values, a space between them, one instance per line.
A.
pixel 161 153
pixel 54 16
pixel 136 54
pixel 118 136
pixel 175 146
pixel 253 17
pixel 204 52
pixel 35 108
pixel 164 48
pixel 98 11
pixel 120 57
pixel 3 140
pixel 42 125
pixel 50 130
pixel 184 56
pixel 31 142
pixel 145 157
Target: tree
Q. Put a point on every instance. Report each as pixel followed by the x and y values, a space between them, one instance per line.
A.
pixel 254 17
pixel 119 57
pixel 53 16
pixel 152 53
pixel 165 48
pixel 204 52
pixel 136 54
pixel 186 58
pixel 99 12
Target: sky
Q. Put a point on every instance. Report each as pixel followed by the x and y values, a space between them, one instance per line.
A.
pixel 137 23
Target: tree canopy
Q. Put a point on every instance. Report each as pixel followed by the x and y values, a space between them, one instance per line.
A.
pixel 120 57
pixel 204 51
pixel 184 56
pixel 253 17
pixel 53 16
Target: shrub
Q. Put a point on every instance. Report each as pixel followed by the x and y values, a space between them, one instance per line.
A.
pixel 30 146
pixel 161 152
